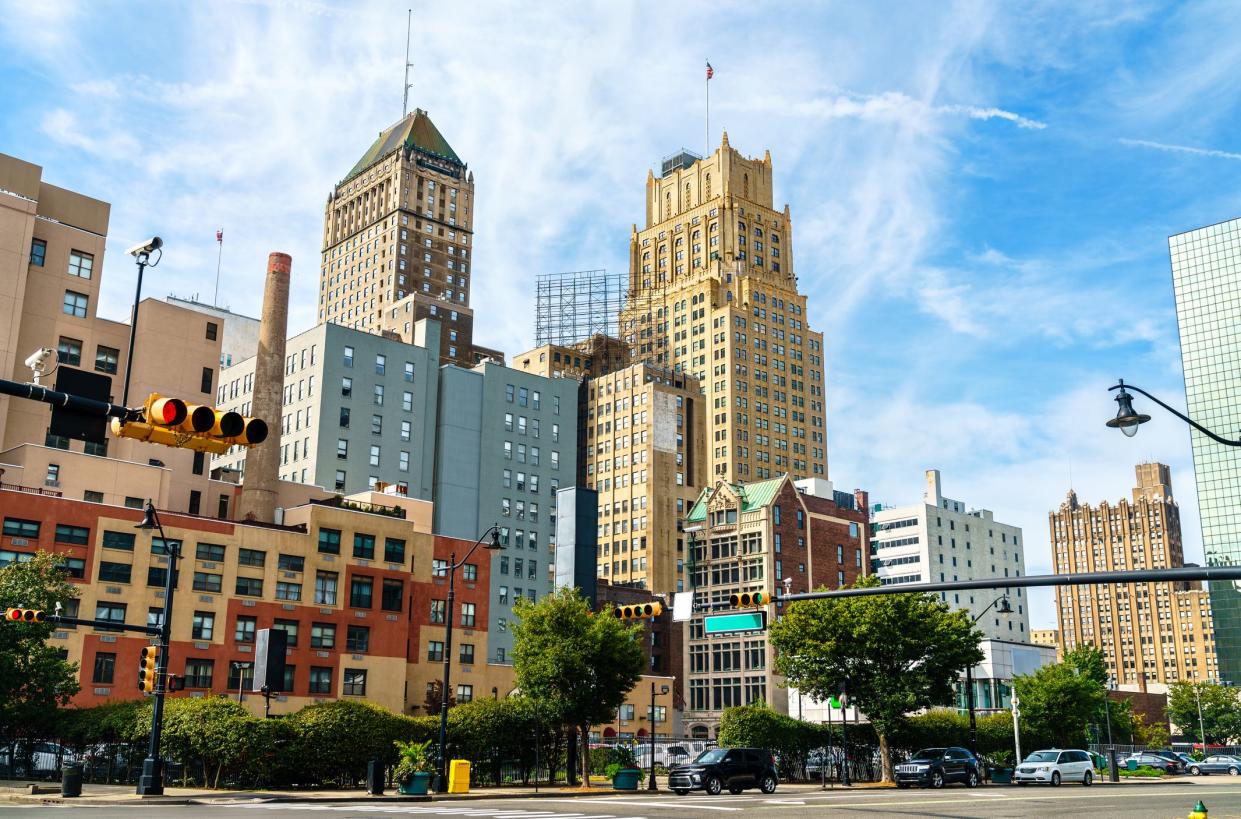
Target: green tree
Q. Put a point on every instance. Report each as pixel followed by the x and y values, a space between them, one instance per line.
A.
pixel 899 653
pixel 577 665
pixel 36 680
pixel 1221 710
pixel 1058 706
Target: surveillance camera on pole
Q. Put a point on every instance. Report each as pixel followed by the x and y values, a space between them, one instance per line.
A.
pixel 146 248
pixel 37 362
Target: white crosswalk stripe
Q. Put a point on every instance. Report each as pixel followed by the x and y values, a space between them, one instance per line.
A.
pixel 417 810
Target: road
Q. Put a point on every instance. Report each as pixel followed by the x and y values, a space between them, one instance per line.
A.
pixel 1222 798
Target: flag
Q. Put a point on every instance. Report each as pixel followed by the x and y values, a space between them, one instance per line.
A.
pixel 710 71
pixel 219 235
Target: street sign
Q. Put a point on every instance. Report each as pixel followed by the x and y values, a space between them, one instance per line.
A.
pixel 739 621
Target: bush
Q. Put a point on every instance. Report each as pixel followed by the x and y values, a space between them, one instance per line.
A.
pixel 603 759
pixel 335 740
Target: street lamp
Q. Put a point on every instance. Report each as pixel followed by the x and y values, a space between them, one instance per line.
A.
pixel 151 783
pixel 441 778
pixel 1003 608
pixel 1128 420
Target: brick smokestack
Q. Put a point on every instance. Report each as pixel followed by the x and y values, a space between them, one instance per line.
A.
pixel 258 491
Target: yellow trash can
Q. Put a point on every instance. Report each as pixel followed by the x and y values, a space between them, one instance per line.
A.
pixel 459 776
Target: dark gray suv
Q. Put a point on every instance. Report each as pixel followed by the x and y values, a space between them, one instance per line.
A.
pixel 936 767
pixel 718 768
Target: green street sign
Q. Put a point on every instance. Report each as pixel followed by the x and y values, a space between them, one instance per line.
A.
pixel 739 621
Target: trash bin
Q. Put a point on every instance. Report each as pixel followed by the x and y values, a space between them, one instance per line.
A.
pixel 375 778
pixel 459 776
pixel 71 779
pixel 1131 764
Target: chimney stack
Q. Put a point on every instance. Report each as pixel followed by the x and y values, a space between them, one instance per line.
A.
pixel 258 490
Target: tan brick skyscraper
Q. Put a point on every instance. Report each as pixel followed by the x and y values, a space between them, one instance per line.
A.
pixel 712 292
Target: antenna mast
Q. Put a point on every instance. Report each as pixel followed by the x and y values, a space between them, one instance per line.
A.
pixel 409 20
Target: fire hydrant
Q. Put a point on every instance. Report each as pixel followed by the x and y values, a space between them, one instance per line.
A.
pixel 1199 811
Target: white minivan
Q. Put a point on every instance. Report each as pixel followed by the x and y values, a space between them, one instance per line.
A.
pixel 1055 766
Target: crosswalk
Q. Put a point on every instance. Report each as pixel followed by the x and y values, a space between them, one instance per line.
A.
pixel 431 810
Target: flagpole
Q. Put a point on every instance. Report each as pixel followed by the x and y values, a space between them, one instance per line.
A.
pixel 219 240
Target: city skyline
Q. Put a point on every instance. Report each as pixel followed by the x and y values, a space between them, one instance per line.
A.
pixel 952 190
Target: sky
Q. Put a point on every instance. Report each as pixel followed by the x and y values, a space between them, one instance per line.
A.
pixel 981 193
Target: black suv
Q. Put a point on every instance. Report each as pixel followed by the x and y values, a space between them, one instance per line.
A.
pixel 734 768
pixel 938 766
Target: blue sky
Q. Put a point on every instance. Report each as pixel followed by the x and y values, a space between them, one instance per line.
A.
pixel 981 192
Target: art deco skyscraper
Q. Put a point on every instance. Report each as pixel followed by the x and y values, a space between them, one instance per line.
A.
pixel 398 241
pixel 712 293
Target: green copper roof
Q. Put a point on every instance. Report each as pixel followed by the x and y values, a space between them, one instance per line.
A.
pixel 753 496
pixel 417 131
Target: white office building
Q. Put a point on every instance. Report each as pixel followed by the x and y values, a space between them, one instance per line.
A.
pixel 937 540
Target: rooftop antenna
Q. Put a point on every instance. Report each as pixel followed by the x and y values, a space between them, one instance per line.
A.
pixel 409 22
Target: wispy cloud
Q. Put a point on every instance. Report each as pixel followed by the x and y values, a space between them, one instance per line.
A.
pixel 1179 149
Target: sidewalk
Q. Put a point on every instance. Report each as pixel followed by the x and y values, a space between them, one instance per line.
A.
pixel 124 794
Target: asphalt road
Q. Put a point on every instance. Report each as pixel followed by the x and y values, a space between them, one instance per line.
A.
pixel 1171 800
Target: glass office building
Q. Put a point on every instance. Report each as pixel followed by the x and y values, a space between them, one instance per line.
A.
pixel 1206 276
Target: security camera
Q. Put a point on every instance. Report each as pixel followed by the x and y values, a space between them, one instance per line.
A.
pixel 37 362
pixel 152 244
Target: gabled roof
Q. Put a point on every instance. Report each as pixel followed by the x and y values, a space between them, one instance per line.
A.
pixel 753 495
pixel 416 131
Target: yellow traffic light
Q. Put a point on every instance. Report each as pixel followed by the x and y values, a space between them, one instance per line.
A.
pixel 172 422
pixel 148 668
pixel 745 599
pixel 639 611
pixel 24 616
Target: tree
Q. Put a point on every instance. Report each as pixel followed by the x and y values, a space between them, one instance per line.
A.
pixel 898 653
pixel 577 665
pixel 1221 710
pixel 433 701
pixel 1058 705
pixel 36 679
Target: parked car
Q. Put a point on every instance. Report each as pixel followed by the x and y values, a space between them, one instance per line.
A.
pixel 1217 763
pixel 936 767
pixel 1186 758
pixel 1054 766
pixel 1152 760
pixel 734 768
pixel 1171 756
pixel 45 760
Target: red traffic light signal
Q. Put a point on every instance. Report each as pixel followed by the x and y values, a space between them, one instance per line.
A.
pixel 24 615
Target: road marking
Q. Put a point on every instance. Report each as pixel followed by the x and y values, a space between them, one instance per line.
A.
pixel 646 803
pixel 481 813
pixel 784 802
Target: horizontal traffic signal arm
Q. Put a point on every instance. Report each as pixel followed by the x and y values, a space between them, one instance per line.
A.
pixel 62 620
pixel 87 406
pixel 1209 573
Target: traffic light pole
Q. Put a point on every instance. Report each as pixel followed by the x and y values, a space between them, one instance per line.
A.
pixel 151 783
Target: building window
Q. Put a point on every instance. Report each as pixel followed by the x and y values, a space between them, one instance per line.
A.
pixel 435 651
pixel 329 541
pixel 465 693
pixel 381 364
pixel 348 361
pixel 357 639
pixel 213 330
pixel 204 625
pixel 394 550
pixel 16 527
pixel 438 607
pixel 290 629
pixel 114 572
pixel 199 673
pixel 355 682
pixel 322 635
pixel 106 359
pixel 379 395
pixel 206 582
pixel 76 535
pixel 291 563
pixel 288 591
pixel 209 551
pixel 75 304
pixel 364 546
pixel 467 654
pixel 467 615
pixel 325 588
pixel 251 557
pixel 207 378
pixel 361 592
pixel 69 351
pixel 346 389
pixel 110 612
pixel 320 680
pixel 240 675
pixel 118 540
pixel 393 595
pixel 244 632
pixel 38 252
pixel 81 264
pixel 374 457
pixel 250 586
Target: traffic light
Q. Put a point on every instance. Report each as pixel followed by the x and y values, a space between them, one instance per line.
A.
pixel 148 665
pixel 24 616
pixel 745 599
pixel 172 422
pixel 639 611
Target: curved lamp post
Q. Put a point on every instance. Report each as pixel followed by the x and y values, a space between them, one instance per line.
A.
pixel 1004 607
pixel 1128 420
pixel 441 778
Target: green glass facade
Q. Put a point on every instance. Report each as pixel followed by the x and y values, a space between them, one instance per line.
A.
pixel 1206 276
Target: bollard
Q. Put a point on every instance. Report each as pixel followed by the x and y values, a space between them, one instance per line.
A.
pixel 1199 811
pixel 375 778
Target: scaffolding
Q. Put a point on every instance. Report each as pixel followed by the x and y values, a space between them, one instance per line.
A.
pixel 572 307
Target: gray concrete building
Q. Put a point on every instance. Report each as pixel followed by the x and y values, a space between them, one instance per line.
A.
pixel 506 441
pixel 239 335
pixel 358 409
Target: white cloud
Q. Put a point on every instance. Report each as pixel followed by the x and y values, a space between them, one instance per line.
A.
pixel 1180 149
